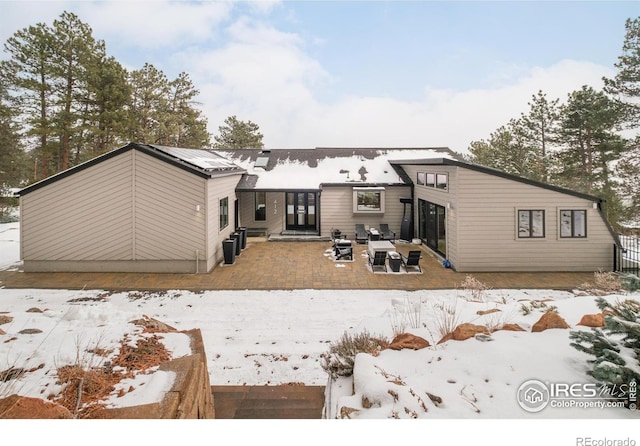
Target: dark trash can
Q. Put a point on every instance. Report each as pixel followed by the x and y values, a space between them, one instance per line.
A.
pixel 237 238
pixel 243 237
pixel 229 250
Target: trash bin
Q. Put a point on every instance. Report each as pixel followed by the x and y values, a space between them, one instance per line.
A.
pixel 236 236
pixel 229 250
pixel 243 236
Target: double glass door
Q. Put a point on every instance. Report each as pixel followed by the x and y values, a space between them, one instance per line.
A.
pixel 301 211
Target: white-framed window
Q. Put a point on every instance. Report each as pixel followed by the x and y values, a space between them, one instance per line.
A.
pixel 531 223
pixel 368 200
pixel 573 223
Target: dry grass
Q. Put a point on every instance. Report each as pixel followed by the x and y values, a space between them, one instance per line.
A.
pixel 84 386
pixel 603 283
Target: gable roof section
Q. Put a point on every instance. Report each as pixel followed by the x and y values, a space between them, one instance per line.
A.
pixel 198 162
pixel 495 172
pixel 311 169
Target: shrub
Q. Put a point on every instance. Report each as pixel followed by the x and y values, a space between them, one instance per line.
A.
pixel 616 348
pixel 340 358
pixel 475 287
pixel 446 317
pixel 603 283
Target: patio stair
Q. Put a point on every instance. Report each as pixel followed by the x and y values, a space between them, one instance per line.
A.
pixel 268 402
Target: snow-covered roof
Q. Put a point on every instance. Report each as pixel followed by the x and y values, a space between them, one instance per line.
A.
pixel 311 168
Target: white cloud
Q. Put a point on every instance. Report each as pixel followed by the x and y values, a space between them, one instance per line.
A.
pixel 265 75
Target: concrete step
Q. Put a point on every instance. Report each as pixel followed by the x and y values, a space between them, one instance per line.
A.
pixel 268 402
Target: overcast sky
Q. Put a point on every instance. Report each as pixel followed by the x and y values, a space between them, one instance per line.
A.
pixel 361 73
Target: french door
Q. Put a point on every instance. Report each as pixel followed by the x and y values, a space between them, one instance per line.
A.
pixel 301 211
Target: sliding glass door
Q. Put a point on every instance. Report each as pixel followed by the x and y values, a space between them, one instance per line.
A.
pixel 432 225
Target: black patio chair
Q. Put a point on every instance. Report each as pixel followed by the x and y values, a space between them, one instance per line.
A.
pixel 343 250
pixel 361 234
pixel 412 260
pixel 378 260
pixel 386 233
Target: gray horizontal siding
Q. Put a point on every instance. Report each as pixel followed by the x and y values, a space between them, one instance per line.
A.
pixel 275 212
pixel 80 217
pixel 218 188
pixel 337 210
pixel 167 224
pixel 486 227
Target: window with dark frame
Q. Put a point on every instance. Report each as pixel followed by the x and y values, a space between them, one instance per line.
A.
pixel 531 224
pixel 260 206
pixel 431 180
pixel 224 213
pixel 573 223
pixel 441 181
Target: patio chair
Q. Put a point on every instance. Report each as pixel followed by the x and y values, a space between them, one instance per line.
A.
pixel 378 260
pixel 361 233
pixel 387 234
pixel 343 250
pixel 412 260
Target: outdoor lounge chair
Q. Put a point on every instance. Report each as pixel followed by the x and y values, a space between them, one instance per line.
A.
pixel 379 260
pixel 361 233
pixel 386 233
pixel 412 260
pixel 343 250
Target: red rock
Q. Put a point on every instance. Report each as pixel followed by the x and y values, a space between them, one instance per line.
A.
pixel 17 407
pixel 511 327
pixel 592 320
pixel 408 341
pixel 550 319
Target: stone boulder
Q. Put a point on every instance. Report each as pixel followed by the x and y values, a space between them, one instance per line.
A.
pixel 511 327
pixel 17 407
pixel 408 341
pixel 483 312
pixel 550 319
pixel 464 331
pixel 592 320
pixel 4 319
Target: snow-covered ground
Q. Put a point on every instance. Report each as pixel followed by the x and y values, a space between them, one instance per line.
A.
pixel 272 337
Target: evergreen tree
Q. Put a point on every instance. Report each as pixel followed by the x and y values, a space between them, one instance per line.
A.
pixel 236 134
pixel 589 122
pixel 27 73
pixel 616 348
pixel 506 150
pixel 625 86
pixel 540 127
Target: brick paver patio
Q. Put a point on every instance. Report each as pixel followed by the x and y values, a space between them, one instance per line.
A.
pixel 293 265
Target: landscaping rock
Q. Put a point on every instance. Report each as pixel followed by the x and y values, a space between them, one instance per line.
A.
pixel 4 319
pixel 511 327
pixel 464 331
pixel 30 331
pixel 483 312
pixel 153 326
pixel 550 319
pixel 2 332
pixel 20 407
pixel 408 341
pixel 34 310
pixel 592 320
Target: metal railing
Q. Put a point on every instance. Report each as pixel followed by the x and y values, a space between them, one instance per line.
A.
pixel 627 259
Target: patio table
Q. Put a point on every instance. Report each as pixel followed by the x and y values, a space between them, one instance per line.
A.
pixel 380 245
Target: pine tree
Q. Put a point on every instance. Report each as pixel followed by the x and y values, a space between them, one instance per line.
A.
pixel 236 134
pixel 616 348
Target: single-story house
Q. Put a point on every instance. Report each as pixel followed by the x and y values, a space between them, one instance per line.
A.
pixel 162 209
